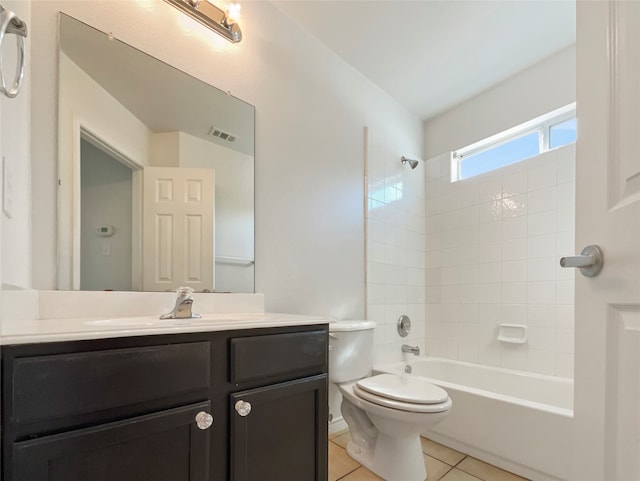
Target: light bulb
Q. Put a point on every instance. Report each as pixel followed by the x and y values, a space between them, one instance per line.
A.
pixel 232 14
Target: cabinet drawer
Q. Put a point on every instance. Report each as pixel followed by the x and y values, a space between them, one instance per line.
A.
pixel 54 386
pixel 278 356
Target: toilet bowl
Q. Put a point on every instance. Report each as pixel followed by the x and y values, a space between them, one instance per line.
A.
pixel 386 412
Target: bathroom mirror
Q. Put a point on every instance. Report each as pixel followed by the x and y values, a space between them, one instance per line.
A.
pixel 156 173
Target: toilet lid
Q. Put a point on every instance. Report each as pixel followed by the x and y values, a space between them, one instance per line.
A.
pixel 409 389
pixel 401 405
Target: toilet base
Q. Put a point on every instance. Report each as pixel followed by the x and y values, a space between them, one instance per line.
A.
pixel 387 441
pixel 393 458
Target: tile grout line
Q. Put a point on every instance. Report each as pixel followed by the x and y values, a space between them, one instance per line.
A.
pixel 465 457
pixel 352 471
pixel 447 472
pixel 451 467
pixel 465 471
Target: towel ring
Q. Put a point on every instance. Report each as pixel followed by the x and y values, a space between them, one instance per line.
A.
pixel 10 23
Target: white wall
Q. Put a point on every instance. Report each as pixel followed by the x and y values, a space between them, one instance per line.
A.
pixel 493 244
pixel 15 140
pixel 544 87
pixel 164 150
pixel 310 111
pixel 83 99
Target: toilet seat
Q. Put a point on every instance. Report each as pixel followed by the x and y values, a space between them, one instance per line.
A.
pixel 405 393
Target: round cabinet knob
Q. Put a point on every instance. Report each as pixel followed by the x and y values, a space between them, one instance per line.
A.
pixel 204 420
pixel 243 408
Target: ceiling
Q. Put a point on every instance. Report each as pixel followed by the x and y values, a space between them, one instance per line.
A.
pixel 431 55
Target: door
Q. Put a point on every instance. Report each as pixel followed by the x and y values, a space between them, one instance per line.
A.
pixel 178 220
pixel 164 446
pixel 607 370
pixel 279 432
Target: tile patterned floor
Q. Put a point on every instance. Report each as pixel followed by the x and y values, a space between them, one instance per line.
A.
pixel 443 464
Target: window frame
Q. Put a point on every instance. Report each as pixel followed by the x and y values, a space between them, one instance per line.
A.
pixel 541 124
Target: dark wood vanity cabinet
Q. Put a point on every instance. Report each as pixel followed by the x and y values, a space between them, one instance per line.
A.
pixel 125 409
pixel 162 446
pixel 285 412
pixel 282 409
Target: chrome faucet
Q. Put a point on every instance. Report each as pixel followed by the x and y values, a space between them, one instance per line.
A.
pixel 182 309
pixel 412 349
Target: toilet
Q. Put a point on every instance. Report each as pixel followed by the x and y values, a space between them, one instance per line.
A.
pixel 385 412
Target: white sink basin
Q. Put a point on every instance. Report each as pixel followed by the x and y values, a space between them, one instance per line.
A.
pixel 146 322
pixel 157 322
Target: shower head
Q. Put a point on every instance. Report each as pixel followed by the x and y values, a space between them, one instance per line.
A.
pixel 413 163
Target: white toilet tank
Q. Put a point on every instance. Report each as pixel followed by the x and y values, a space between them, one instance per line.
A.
pixel 350 350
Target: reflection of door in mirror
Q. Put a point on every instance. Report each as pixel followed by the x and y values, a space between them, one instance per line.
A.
pixel 177 243
pixel 146 114
pixel 177 229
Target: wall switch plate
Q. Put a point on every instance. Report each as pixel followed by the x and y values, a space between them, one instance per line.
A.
pixel 106 248
pixel 7 187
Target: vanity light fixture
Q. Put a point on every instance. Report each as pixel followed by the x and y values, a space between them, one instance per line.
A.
pixel 224 22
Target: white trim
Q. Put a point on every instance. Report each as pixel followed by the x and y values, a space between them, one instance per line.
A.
pixel 136 229
pixel 365 207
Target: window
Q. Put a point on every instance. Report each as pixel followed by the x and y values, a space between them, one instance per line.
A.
pixel 543 133
pixel 563 133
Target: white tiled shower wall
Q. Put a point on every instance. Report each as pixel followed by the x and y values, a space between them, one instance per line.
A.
pixel 492 249
pixel 395 242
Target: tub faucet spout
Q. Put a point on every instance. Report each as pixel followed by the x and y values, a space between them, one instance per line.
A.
pixel 182 309
pixel 412 349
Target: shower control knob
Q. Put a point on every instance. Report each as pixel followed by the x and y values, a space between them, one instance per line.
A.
pixel 243 408
pixel 204 420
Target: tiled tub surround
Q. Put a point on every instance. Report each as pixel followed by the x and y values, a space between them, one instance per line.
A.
pixel 395 243
pixel 492 249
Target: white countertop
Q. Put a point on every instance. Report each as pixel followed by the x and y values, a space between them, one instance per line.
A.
pixel 53 330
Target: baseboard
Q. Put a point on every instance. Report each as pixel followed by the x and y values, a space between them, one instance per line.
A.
pixel 337 426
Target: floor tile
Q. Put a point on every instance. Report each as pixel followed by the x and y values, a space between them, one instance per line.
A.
pixel 435 468
pixel 341 439
pixel 361 474
pixel 340 463
pixel 456 475
pixel 443 453
pixel 486 471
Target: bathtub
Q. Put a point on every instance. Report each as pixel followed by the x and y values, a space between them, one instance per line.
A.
pixel 519 421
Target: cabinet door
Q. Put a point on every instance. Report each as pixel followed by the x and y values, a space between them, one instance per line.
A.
pixel 163 446
pixel 283 436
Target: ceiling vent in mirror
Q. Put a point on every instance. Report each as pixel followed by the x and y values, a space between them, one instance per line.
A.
pixel 220 134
